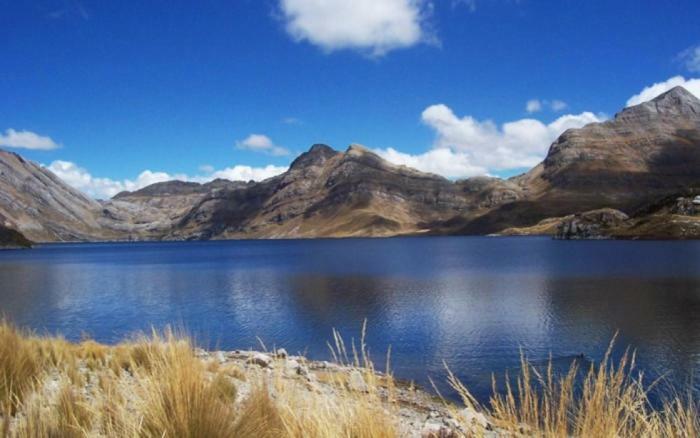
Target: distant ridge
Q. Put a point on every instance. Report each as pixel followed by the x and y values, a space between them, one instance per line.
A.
pixel 645 153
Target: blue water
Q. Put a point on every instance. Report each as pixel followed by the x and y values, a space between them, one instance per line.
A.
pixel 472 302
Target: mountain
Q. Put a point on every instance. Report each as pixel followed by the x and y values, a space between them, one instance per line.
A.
pixel 41 206
pixel 36 203
pixel 644 153
pixel 326 193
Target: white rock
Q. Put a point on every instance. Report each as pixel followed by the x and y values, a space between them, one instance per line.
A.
pixel 356 382
pixel 281 353
pixel 219 355
pixel 261 359
pixel 302 370
pixel 473 418
pixel 291 367
pixel 435 429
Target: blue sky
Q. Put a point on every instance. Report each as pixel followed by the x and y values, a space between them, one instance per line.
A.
pixel 102 91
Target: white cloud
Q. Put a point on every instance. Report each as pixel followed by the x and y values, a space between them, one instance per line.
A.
pixel 26 140
pixel 465 147
pixel 537 105
pixel 261 143
pixel 244 173
pixel 103 188
pixel 516 144
pixel 691 59
pixel 558 105
pixel 533 106
pixel 206 168
pixel 372 26
pixel 292 121
pixel 442 161
pixel 650 92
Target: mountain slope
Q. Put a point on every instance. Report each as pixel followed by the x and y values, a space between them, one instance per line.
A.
pixel 330 193
pixel 41 206
pixel 644 153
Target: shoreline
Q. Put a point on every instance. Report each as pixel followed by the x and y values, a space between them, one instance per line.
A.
pixel 163 385
pixel 90 375
pixel 421 412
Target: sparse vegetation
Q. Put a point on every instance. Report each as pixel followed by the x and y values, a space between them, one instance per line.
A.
pixel 608 400
pixel 162 386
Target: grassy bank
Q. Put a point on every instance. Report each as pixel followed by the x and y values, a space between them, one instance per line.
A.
pixel 161 385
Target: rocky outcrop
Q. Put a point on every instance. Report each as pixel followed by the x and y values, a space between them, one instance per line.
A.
pixel 672 217
pixel 594 224
pixel 685 207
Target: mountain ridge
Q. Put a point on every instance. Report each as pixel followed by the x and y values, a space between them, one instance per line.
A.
pixel 644 153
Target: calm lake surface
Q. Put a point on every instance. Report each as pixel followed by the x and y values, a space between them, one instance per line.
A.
pixel 472 302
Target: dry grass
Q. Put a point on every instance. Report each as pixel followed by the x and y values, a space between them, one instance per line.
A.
pixel 260 417
pixel 21 365
pixel 177 398
pixel 610 400
pixel 156 386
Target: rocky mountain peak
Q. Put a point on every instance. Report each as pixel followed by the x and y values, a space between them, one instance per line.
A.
pixel 357 149
pixel 320 148
pixel 675 102
pixel 317 155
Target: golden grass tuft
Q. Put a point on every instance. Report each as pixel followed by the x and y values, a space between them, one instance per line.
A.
pixel 611 401
pixel 224 388
pixel 178 399
pixel 234 371
pixel 73 413
pixel 69 417
pixel 21 366
pixel 366 412
pixel 259 417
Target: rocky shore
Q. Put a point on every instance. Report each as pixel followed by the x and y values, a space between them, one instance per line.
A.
pixel 138 388
pixel 418 414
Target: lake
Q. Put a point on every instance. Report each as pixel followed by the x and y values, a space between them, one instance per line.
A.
pixel 472 302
